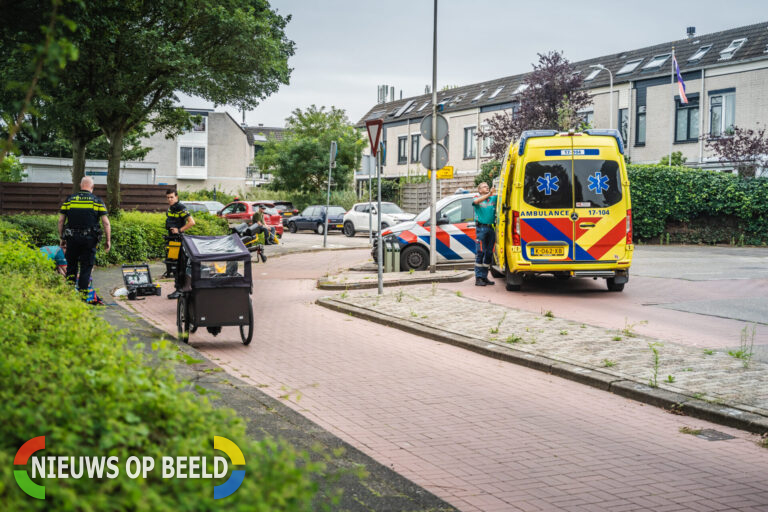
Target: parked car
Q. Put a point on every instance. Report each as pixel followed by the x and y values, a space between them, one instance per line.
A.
pixel 313 217
pixel 359 217
pixel 194 206
pixel 214 207
pixel 455 234
pixel 242 211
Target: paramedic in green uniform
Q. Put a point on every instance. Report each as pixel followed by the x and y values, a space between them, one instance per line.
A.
pixel 485 235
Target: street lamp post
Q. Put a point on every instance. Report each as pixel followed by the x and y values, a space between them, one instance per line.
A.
pixel 610 76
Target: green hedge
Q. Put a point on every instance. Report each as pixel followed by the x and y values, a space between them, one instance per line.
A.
pixel 696 206
pixel 136 236
pixel 67 375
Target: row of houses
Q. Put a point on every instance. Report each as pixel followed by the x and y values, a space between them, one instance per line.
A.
pixel 217 152
pixel 725 73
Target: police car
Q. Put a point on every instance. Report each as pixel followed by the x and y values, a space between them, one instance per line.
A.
pixel 455 234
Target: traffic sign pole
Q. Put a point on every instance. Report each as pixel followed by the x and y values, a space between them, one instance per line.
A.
pixel 380 251
pixel 331 164
pixel 433 179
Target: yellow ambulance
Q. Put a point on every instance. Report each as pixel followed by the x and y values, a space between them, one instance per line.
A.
pixel 563 208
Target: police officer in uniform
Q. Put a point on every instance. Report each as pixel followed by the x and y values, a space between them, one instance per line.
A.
pixel 78 227
pixel 177 220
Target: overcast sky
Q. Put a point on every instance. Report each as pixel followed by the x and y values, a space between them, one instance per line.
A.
pixel 345 48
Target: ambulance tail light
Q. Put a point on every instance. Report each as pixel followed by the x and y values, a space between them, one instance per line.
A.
pixel 515 227
pixel 629 227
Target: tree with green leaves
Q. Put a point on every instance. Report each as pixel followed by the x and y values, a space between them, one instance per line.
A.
pixel 135 56
pixel 300 160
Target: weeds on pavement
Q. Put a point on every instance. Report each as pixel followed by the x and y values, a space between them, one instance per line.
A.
pixel 709 351
pixel 399 295
pixel 654 380
pixel 691 431
pixel 608 363
pixel 670 378
pixel 513 339
pixel 629 328
pixel 548 314
pixel 495 330
pixel 746 346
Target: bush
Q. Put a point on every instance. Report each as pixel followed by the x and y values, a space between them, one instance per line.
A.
pixel 704 202
pixel 300 200
pixel 206 195
pixel 136 236
pixel 69 376
pixel 488 172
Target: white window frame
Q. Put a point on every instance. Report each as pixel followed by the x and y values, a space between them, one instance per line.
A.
pixel 728 52
pixel 477 98
pixel 700 53
pixel 630 66
pixel 592 75
pixel 657 61
pixel 193 147
pixel 473 143
pixel 520 89
pixel 485 146
pixel 496 92
pixel 728 103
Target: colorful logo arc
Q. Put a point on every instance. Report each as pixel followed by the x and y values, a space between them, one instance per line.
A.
pixel 236 478
pixel 22 476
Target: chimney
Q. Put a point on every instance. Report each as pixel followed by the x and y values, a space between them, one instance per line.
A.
pixel 392 93
pixel 690 32
pixel 401 94
pixel 261 124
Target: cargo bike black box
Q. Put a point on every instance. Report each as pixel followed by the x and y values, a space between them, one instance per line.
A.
pixel 216 284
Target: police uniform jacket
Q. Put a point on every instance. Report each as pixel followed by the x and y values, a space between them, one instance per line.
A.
pixel 83 212
pixel 176 216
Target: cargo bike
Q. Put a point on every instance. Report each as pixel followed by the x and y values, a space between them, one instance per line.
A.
pixel 214 277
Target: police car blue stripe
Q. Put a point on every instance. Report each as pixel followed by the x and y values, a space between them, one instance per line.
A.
pixel 442 249
pixel 466 241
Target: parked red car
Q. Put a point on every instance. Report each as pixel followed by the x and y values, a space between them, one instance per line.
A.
pixel 242 211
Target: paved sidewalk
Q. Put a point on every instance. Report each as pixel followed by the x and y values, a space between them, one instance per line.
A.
pixel 356 280
pixel 716 384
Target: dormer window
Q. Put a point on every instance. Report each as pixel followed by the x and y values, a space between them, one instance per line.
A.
pixel 656 62
pixel 480 95
pixel 701 52
pixel 592 75
pixel 520 88
pixel 629 67
pixel 732 48
pixel 496 92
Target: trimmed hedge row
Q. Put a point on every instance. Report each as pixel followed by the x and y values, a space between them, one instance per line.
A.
pixel 67 375
pixel 698 206
pixel 136 236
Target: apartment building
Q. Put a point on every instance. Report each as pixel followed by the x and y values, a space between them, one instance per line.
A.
pixel 726 78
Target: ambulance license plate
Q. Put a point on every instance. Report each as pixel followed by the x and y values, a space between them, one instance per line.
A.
pixel 548 251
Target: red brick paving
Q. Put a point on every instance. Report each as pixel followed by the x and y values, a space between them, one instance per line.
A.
pixel 482 434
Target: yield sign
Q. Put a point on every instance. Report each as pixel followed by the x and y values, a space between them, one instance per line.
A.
pixel 374 133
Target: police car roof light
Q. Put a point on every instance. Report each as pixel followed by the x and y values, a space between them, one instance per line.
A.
pixel 608 133
pixel 529 134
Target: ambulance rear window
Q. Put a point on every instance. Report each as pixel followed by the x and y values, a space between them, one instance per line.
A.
pixel 597 182
pixel 548 184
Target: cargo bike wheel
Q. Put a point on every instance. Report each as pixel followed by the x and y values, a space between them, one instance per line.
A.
pixel 183 317
pixel 246 331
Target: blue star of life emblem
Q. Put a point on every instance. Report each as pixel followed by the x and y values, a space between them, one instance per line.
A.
pixel 548 183
pixel 598 183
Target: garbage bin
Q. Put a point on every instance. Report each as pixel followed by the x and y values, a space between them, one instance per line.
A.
pixel 395 255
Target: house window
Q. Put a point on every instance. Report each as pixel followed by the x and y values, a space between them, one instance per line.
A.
pixel 520 88
pixel 592 75
pixel 485 146
pixel 629 67
pixel 402 148
pixel 687 120
pixel 732 48
pixel 624 123
pixel 480 95
pixel 701 52
pixel 199 127
pixel 722 113
pixel 192 157
pixel 640 132
pixel 470 149
pixel 496 92
pixel 589 117
pixel 415 140
pixel 656 62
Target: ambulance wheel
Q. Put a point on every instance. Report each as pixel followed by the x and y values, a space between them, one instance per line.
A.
pixel 182 319
pixel 246 331
pixel 320 228
pixel 349 229
pixel 292 227
pixel 414 257
pixel 512 281
pixel 613 286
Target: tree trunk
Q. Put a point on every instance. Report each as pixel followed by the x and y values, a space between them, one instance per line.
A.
pixel 113 170
pixel 78 162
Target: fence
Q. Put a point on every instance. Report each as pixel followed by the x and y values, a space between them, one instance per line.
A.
pixel 47 197
pixel 414 197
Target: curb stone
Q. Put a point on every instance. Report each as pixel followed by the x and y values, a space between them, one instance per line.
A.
pixel 669 400
pixel 329 285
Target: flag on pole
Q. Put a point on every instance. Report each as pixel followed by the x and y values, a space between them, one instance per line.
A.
pixel 680 83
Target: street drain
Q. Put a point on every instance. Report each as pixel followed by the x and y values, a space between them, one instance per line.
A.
pixel 713 435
